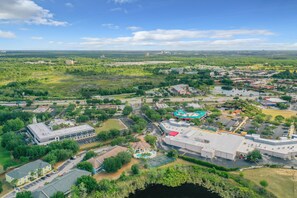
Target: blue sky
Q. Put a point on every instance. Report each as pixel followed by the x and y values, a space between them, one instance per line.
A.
pixel 148 25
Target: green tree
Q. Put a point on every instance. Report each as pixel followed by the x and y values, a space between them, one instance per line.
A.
pixel 24 194
pixel 1 187
pixel 13 125
pixel 89 183
pixel 264 183
pixel 135 169
pixel 254 156
pixel 58 195
pixel 127 110
pixel 172 154
pixel 89 155
pixel 85 166
pixel 151 139
pixel 125 157
pixel 112 164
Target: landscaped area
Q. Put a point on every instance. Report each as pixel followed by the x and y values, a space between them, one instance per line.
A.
pixel 111 124
pixel 281 182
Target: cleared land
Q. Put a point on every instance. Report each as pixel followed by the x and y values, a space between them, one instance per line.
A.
pixel 281 182
pixel 111 124
pixel 275 112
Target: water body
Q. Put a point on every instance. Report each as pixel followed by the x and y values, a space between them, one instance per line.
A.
pixel 183 191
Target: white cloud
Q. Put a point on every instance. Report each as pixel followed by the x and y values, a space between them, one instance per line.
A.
pixel 123 1
pixel 110 26
pixel 119 9
pixel 69 5
pixel 134 28
pixel 4 34
pixel 26 11
pixel 37 38
pixel 184 40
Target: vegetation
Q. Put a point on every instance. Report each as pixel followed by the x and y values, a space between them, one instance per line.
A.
pixel 113 164
pixel 151 139
pixel 85 166
pixel 24 194
pixel 264 183
pixel 172 154
pixel 58 195
pixel 135 169
pixel 254 156
pixel 89 155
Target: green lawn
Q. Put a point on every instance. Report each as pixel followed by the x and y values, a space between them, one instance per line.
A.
pixel 111 124
pixel 281 182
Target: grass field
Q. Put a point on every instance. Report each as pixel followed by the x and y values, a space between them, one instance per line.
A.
pixel 275 112
pixel 111 124
pixel 281 182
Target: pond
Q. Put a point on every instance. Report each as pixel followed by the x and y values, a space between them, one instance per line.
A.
pixel 183 191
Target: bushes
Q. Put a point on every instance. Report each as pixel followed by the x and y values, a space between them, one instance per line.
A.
pixel 207 164
pixel 89 183
pixel 89 155
pixel 85 166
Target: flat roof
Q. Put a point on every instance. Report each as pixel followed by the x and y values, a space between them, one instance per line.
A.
pixel 43 132
pixel 189 115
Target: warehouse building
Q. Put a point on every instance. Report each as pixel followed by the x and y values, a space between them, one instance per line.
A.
pixel 42 134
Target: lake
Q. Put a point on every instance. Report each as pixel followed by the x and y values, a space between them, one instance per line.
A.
pixel 183 191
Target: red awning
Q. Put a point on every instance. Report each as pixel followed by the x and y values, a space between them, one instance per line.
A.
pixel 173 133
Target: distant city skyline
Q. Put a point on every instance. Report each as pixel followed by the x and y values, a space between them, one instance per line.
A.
pixel 148 25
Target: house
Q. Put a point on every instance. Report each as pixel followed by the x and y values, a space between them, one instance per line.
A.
pixel 181 89
pixel 98 160
pixel 61 184
pixel 142 149
pixel 28 172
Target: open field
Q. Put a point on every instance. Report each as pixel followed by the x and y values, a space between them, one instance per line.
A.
pixel 281 182
pixel 111 124
pixel 275 112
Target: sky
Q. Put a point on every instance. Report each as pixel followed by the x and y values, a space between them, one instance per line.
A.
pixel 148 25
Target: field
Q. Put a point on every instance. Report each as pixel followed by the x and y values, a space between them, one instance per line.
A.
pixel 275 112
pixel 111 124
pixel 281 182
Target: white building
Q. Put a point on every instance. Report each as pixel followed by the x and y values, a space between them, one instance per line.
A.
pixel 225 145
pixel 42 134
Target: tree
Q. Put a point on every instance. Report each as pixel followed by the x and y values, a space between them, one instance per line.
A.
pixel 89 183
pixel 13 125
pixel 124 157
pixel 89 155
pixel 127 110
pixel 264 183
pixel 282 105
pixel 58 195
pixel 24 194
pixel 254 156
pixel 287 98
pixel 172 154
pixel 151 139
pixel 1 187
pixel 135 169
pixel 112 164
pixel 85 166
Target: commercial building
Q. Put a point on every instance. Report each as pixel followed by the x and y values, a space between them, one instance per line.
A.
pixel 272 101
pixel 42 134
pixel 181 114
pixel 225 145
pixel 28 172
pixel 61 184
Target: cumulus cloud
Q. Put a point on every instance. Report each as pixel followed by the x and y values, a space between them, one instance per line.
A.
pixel 5 34
pixel 69 5
pixel 27 11
pixel 182 39
pixel 110 26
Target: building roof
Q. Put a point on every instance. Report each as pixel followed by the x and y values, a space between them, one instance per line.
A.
pixel 140 145
pixel 60 184
pixel 276 100
pixel 44 133
pixel 27 168
pixel 98 161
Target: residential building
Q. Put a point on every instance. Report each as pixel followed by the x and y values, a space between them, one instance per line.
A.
pixel 28 172
pixel 97 161
pixel 42 134
pixel 60 184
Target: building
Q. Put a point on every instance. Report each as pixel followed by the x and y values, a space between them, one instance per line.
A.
pixel 168 126
pixel 42 134
pixel 28 172
pixel 60 184
pixel 161 106
pixel 227 145
pixel 69 62
pixel 181 89
pixel 98 160
pixel 181 114
pixel 273 101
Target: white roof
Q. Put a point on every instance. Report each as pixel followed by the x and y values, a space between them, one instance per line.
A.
pixel 276 100
pixel 43 132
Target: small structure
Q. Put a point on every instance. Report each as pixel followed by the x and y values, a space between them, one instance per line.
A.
pixel 98 160
pixel 142 150
pixel 69 62
pixel 61 184
pixel 28 172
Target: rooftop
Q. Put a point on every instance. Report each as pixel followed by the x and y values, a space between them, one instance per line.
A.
pixel 27 168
